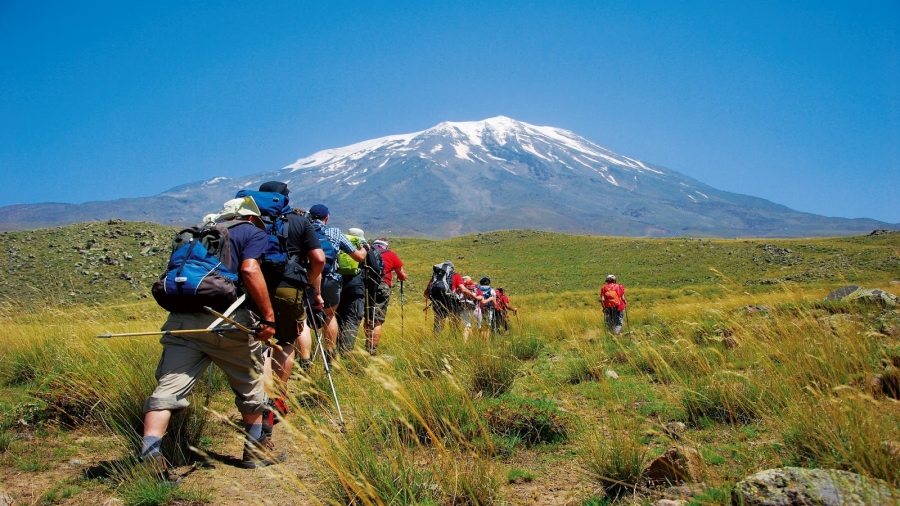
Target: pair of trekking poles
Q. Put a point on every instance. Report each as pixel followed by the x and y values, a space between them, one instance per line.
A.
pixel 238 327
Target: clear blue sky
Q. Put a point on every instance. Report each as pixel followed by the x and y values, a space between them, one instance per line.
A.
pixel 796 102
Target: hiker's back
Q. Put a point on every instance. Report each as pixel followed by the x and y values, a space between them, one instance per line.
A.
pixel 611 293
pixel 202 270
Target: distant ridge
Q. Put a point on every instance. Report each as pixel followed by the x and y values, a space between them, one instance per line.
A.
pixel 465 177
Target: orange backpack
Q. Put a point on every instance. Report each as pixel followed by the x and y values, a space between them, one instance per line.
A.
pixel 610 294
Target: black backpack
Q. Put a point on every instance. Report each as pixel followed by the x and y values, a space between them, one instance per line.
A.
pixel 199 273
pixel 373 268
pixel 442 279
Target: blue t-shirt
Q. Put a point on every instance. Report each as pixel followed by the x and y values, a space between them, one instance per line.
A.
pixel 247 241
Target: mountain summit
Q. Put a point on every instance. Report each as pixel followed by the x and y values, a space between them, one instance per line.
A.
pixel 499 173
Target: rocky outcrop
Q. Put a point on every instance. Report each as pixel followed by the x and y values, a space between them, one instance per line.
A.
pixel 795 486
pixel 853 293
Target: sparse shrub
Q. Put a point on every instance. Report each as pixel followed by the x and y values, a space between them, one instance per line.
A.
pixel 726 398
pixel 588 364
pixel 515 475
pixel 841 433
pixel 378 471
pixel 532 421
pixel 6 439
pixel 492 373
pixel 525 346
pixel 616 458
pixel 440 409
pixel 471 482
pixel 139 491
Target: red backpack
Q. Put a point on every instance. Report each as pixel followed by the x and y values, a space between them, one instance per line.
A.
pixel 610 294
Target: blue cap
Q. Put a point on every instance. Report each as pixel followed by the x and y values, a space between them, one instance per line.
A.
pixel 318 211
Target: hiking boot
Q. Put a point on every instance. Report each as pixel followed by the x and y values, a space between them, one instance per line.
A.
pixel 156 466
pixel 261 454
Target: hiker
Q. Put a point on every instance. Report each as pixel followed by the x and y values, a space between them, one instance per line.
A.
pixel 612 295
pixel 184 358
pixel 442 292
pixel 484 313
pixel 333 241
pixel 501 311
pixel 290 295
pixel 379 296
pixel 468 305
pixel 351 309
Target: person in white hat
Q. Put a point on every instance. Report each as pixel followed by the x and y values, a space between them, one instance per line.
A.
pixel 185 357
pixel 612 296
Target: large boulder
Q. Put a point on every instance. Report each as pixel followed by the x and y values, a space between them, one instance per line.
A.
pixel 796 486
pixel 852 293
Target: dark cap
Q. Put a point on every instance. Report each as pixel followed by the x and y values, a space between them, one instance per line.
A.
pixel 276 187
pixel 318 211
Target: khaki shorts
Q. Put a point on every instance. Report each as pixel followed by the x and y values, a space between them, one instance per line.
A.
pixel 185 358
pixel 288 304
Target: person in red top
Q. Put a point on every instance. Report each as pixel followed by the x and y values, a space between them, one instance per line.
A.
pixel 612 295
pixel 502 306
pixel 376 310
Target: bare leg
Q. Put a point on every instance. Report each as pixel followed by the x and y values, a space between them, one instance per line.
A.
pixel 330 331
pixel 156 422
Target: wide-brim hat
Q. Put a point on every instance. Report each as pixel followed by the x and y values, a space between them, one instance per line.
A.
pixel 357 232
pixel 243 206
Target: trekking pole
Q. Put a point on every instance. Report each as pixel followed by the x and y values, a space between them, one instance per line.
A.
pixel 271 342
pixel 173 332
pixel 401 309
pixel 327 367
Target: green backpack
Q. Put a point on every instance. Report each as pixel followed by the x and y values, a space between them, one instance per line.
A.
pixel 346 265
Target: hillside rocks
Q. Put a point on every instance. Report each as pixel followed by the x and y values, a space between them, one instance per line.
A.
pixel 794 486
pixel 853 293
pixel 679 464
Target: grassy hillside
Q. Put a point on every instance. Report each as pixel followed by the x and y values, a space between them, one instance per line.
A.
pixel 730 356
pixel 120 260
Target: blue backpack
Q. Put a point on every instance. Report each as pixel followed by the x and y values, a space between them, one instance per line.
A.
pixel 199 272
pixel 273 206
pixel 328 247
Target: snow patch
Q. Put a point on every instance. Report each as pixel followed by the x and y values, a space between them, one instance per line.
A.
pixel 216 180
pixel 462 151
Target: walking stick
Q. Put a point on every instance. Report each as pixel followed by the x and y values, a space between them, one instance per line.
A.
pixel 401 309
pixel 325 361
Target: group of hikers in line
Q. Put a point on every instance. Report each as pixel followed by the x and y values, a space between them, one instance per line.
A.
pixel 273 274
pixel 285 274
pixel 464 303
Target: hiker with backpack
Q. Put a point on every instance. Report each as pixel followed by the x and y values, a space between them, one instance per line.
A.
pixel 352 307
pixel 612 296
pixel 442 292
pixel 484 314
pixel 501 311
pixel 333 241
pixel 232 250
pixel 381 265
pixel 292 267
pixel 468 306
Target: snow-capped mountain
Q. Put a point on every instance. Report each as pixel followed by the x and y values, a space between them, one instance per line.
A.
pixel 499 173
